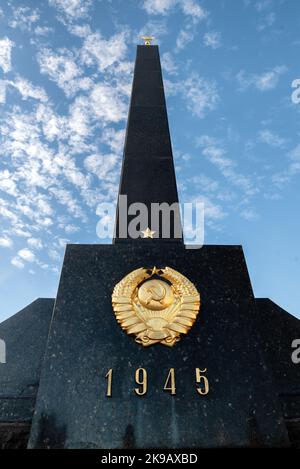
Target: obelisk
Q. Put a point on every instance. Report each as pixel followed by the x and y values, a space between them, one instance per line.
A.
pixel 103 384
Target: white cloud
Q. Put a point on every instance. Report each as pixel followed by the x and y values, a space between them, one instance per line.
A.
pixel 28 90
pixel 104 53
pixel 114 139
pixel 156 7
pixel 63 70
pixel 27 255
pixel 168 63
pixel 16 261
pixel 43 30
pixel 5 212
pixel 212 211
pixel 263 82
pixel 79 30
pixel 107 103
pixel 205 183
pixel 6 46
pixel 73 174
pixel 212 39
pixel 54 255
pixel 295 153
pixel 73 9
pixel 267 21
pixel 216 154
pixel 53 125
pixel 6 242
pixel 24 18
pixel 192 8
pixel 163 7
pixel 102 165
pixel 262 5
pixel 201 95
pixel 184 37
pixel 7 184
pixel 35 243
pixel 67 200
pixel 2 91
pixel 159 25
pixel 270 138
pixel 249 214
pixel 70 229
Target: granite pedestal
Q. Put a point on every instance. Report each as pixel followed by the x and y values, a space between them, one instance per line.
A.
pixel 85 341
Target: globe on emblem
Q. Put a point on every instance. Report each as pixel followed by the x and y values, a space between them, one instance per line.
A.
pixel 156 294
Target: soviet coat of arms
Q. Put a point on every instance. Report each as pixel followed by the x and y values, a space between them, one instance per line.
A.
pixel 156 305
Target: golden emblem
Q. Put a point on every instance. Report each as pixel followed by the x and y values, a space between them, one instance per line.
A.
pixel 148 40
pixel 156 305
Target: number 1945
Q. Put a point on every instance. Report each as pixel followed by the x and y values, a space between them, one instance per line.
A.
pixel 141 379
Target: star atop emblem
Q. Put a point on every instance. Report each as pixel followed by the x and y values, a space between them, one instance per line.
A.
pixel 148 233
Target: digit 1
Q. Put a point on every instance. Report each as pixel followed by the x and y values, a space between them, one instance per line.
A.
pixel 109 382
pixel 200 377
pixel 170 382
pixel 141 379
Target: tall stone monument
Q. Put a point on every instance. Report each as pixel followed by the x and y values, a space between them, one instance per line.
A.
pixel 152 345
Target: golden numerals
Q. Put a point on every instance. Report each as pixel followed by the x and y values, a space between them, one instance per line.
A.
pixel 109 382
pixel 170 382
pixel 141 379
pixel 200 377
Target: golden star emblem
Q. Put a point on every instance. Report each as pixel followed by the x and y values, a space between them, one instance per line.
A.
pixel 148 233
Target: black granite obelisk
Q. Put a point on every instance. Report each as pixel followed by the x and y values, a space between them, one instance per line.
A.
pixel 148 174
pixel 87 396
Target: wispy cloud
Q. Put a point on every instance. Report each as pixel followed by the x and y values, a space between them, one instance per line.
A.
pixel 2 91
pixel 284 177
pixel 72 9
pixel 263 82
pixel 201 95
pixel 212 39
pixel 271 139
pixel 190 8
pixel 27 255
pixel 28 90
pixel 168 63
pixel 61 67
pixel 262 5
pixel 24 18
pixel 104 53
pixel 6 46
pixel 184 37
pixel 35 243
pixel 216 154
pixel 249 214
pixel 6 242
pixel 267 21
pixel 16 262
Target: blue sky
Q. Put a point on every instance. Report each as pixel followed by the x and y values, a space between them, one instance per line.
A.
pixel 65 78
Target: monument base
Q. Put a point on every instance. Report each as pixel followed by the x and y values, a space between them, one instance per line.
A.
pixel 85 342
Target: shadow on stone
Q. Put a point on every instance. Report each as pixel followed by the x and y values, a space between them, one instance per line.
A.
pixel 50 434
pixel 255 437
pixel 129 438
